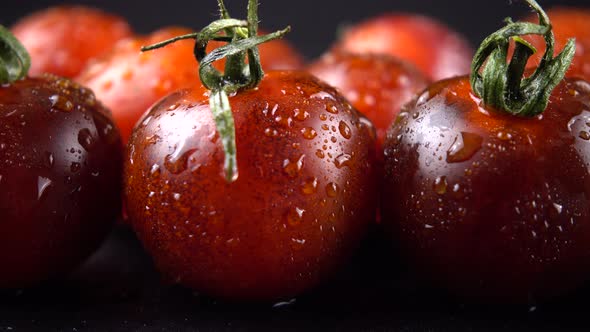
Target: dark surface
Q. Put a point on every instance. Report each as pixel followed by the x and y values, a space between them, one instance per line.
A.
pixel 118 290
pixel 314 22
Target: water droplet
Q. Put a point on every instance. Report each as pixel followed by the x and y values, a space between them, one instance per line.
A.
pixel 295 216
pixel 292 168
pixel 504 136
pixel 155 169
pixel 176 196
pixel 325 127
pixel 61 103
pixel 320 154
pixel 345 130
pixel 584 135
pixel 75 167
pixel 269 132
pixel 301 115
pixel 86 139
pixel 309 133
pixel 177 161
pixel 558 208
pixel 440 185
pixel 42 185
pixel 343 160
pixel 310 186
pixel 173 107
pixel 151 140
pixel 331 108
pixel 323 117
pixel 48 159
pixel 332 189
pixel 322 95
pixel 464 147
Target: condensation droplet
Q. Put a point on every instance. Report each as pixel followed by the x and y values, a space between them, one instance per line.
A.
pixel 310 186
pixel 440 185
pixel 75 167
pixel 295 216
pixel 345 130
pixel 343 160
pixel 300 115
pixel 464 147
pixel 43 184
pixel 332 189
pixel 309 133
pixel 293 168
pixel 86 139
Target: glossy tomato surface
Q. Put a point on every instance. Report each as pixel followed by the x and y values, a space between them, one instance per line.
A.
pixel 303 200
pixel 430 45
pixel 376 85
pixel 129 82
pixel 567 23
pixel 488 205
pixel 61 40
pixel 60 178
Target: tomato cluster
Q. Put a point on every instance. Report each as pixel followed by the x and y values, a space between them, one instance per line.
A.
pixel 249 176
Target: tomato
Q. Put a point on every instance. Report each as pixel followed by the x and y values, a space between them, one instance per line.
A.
pixel 435 49
pixel 376 85
pixel 567 23
pixel 487 177
pixel 63 39
pixel 60 178
pixel 303 200
pixel 129 82
pixel 489 205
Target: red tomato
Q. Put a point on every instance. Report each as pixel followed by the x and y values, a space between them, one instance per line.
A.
pixel 376 85
pixel 61 40
pixel 489 205
pixel 128 82
pixel 435 49
pixel 303 200
pixel 60 178
pixel 567 23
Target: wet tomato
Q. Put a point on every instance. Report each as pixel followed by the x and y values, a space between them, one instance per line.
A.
pixel 61 40
pixel 303 200
pixel 567 23
pixel 60 178
pixel 376 85
pixel 129 82
pixel 489 205
pixel 434 48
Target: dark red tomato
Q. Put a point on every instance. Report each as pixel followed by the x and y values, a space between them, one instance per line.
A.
pixel 303 200
pixel 60 178
pixel 61 40
pixel 567 23
pixel 376 85
pixel 489 205
pixel 433 47
pixel 129 82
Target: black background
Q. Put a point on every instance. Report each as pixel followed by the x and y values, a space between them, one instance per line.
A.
pixel 314 22
pixel 118 289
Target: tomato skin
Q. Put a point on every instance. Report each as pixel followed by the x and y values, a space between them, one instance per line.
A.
pixel 490 206
pixel 61 40
pixel 566 23
pixel 296 211
pixel 129 82
pixel 376 85
pixel 60 178
pixel 431 46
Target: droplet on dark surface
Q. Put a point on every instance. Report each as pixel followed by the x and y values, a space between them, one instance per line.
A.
pixel 464 147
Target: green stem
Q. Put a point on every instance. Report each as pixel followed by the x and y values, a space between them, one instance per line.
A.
pixel 14 58
pixel 502 85
pixel 242 41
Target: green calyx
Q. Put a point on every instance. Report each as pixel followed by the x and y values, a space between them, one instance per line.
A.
pixel 242 43
pixel 14 58
pixel 502 85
